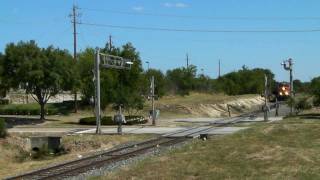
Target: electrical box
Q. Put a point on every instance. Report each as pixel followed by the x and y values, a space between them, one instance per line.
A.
pixel 119 118
pixel 157 113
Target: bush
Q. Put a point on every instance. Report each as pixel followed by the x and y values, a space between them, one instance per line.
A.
pixel 302 104
pixel 34 109
pixel 108 120
pixel 4 101
pixel 3 131
pixel 316 101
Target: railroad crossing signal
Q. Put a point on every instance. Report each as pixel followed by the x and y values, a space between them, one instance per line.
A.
pixel 288 66
pixel 152 95
pixel 106 61
pixel 115 62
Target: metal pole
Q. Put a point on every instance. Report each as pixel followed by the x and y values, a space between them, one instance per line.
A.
pixel 265 98
pixel 153 108
pixel 97 84
pixel 291 84
pixel 120 123
pixel 277 107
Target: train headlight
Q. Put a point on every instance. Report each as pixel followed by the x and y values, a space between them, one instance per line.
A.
pixel 286 93
pixel 283 88
pixel 280 93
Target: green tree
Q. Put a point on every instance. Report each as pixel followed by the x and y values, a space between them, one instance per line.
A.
pixel 245 81
pixel 118 87
pixel 3 84
pixel 203 84
pixel 315 90
pixel 160 81
pixel 130 85
pixel 301 87
pixel 43 73
pixel 85 70
pixel 181 80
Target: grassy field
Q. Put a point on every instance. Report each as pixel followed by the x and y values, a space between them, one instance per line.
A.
pixel 13 160
pixel 189 106
pixel 170 107
pixel 200 98
pixel 285 150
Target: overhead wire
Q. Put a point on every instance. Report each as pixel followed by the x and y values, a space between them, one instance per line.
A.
pixel 200 30
pixel 198 17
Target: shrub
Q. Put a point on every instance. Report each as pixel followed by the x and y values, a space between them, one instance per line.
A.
pixel 302 104
pixel 3 131
pixel 316 100
pixel 34 109
pixel 4 101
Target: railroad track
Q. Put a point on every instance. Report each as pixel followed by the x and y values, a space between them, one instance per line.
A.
pixel 79 166
pixel 74 168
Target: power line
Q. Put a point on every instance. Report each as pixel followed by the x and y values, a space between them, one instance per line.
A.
pixel 200 30
pixel 198 17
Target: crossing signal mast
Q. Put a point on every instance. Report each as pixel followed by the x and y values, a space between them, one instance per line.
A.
pixel 288 66
pixel 111 62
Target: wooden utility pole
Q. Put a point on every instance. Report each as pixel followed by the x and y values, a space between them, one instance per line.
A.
pixel 74 16
pixel 110 43
pixel 219 70
pixel 187 60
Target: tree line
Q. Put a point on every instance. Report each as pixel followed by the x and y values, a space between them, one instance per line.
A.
pixel 44 72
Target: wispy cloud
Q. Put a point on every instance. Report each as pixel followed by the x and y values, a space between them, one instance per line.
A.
pixel 137 8
pixel 175 5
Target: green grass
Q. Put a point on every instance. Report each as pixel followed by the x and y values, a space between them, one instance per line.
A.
pixel 285 150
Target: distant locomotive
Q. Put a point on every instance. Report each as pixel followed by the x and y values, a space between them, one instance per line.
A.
pixel 282 91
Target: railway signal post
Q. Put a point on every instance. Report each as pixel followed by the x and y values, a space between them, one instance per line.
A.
pixel 97 91
pixel 152 96
pixel 106 61
pixel 288 66
pixel 266 107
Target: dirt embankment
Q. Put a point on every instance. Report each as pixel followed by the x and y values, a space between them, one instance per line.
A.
pixel 218 109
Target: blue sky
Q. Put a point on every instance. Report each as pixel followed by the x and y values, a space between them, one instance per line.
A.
pixel 47 22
